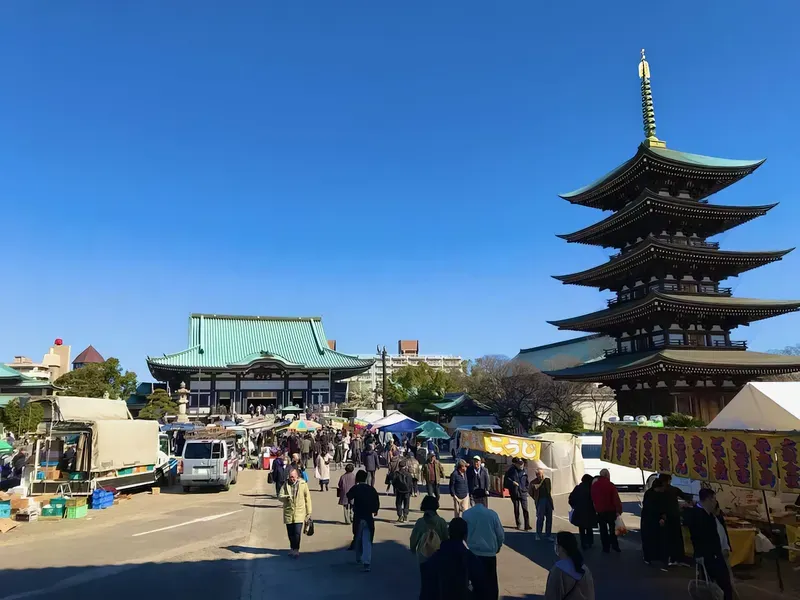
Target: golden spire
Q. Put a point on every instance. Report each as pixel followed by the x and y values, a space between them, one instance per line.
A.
pixel 648 112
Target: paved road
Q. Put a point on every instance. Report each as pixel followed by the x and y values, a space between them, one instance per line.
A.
pixel 232 546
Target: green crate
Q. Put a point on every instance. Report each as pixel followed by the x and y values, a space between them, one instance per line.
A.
pixel 74 502
pixel 77 512
pixel 76 476
pixel 59 501
pixel 53 511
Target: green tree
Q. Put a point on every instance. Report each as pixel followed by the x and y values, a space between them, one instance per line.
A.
pixel 96 379
pixel 159 404
pixel 21 419
pixel 417 386
pixel 681 420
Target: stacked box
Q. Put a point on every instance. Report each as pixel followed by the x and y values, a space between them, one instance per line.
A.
pixel 53 511
pixel 74 502
pixel 102 499
pixel 5 509
pixel 58 501
pixel 77 512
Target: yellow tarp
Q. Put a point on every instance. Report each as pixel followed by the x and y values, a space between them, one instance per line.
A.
pixel 503 445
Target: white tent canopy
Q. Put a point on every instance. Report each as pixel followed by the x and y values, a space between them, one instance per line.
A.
pixel 390 420
pixel 762 405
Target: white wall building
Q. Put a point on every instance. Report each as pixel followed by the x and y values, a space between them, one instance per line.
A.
pixel 407 355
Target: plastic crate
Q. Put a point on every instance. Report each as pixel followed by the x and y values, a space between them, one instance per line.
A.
pixel 73 502
pixel 58 501
pixel 5 511
pixel 53 511
pixel 77 512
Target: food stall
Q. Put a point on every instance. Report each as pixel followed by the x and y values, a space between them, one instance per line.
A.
pixel 497 451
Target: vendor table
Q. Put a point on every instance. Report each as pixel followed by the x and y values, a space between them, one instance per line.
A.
pixel 743 545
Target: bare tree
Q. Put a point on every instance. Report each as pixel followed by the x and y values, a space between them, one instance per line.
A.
pixel 520 395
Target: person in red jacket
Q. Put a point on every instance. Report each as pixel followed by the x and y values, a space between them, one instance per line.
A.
pixel 608 507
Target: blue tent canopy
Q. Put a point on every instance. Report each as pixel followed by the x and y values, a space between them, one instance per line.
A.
pixel 404 426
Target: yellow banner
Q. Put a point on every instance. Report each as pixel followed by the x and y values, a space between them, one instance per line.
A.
pixel 765 468
pixel 608 442
pixel 619 444
pixel 740 463
pixel 663 454
pixel 698 456
pixel 631 458
pixel 789 462
pixel 503 445
pixel 679 446
pixel 647 449
pixel 718 453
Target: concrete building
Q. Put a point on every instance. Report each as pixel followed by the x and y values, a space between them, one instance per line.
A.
pixel 407 355
pixel 52 366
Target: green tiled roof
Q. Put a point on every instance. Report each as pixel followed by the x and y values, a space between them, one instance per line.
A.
pixel 222 341
pixel 684 158
pixel 9 373
pixel 6 398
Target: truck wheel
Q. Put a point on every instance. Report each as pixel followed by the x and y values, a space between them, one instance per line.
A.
pixel 186 489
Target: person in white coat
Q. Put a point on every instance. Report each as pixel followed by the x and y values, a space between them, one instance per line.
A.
pixel 322 471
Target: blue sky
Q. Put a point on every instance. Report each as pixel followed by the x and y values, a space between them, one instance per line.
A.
pixel 391 166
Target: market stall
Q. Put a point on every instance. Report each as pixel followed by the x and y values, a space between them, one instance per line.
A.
pixel 497 451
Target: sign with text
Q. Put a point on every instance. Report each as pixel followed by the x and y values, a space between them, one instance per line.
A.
pixel 502 445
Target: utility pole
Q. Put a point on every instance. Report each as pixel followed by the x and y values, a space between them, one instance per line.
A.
pixel 382 353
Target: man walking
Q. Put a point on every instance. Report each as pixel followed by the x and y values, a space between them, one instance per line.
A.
pixel 346 483
pixel 402 484
pixel 477 479
pixel 366 505
pixel 432 472
pixel 459 488
pixel 485 538
pixel 543 501
pixel 516 482
pixel 608 507
pixel 278 472
pixel 371 462
pixel 707 541
pixel 306 446
pixel 672 524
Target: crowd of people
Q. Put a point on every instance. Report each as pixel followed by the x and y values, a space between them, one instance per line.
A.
pixel 457 559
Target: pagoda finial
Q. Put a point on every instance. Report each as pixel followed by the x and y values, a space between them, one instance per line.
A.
pixel 648 111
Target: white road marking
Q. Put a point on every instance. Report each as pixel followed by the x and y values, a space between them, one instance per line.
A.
pixel 200 520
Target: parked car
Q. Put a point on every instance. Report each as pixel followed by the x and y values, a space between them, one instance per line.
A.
pixel 591 450
pixel 208 463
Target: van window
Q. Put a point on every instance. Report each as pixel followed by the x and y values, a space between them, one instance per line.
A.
pixel 591 450
pixel 203 450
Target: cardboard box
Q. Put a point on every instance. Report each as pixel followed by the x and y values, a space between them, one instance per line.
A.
pixel 6 525
pixel 18 503
pixel 51 474
pixel 155 491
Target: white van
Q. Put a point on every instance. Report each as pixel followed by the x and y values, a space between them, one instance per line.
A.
pixel 208 463
pixel 591 450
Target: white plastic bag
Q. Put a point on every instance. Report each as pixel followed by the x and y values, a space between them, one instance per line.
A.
pixel 763 544
pixel 619 527
pixel 702 588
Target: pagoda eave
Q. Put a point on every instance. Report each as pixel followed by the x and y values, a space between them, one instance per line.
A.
pixel 701 175
pixel 653 212
pixel 637 262
pixel 637 313
pixel 680 362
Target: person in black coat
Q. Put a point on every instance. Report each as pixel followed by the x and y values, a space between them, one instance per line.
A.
pixel 653 524
pixel 707 543
pixel 477 478
pixel 583 515
pixel 448 573
pixel 516 482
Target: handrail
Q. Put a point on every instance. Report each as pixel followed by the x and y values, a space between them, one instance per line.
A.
pixel 733 344
pixel 672 289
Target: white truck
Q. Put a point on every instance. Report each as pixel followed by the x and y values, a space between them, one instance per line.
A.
pixel 89 443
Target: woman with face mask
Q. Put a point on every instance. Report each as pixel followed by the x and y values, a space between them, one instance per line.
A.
pixel 296 499
pixel 569 578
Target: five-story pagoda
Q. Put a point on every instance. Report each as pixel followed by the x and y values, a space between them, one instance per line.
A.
pixel 670 316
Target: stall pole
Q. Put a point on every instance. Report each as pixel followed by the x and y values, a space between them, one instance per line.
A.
pixel 777 558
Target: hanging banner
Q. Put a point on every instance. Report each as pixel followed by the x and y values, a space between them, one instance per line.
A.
pixel 503 445
pixel 788 463
pixel 741 470
pixel 631 458
pixel 620 445
pixel 718 469
pixel 647 449
pixel 680 453
pixel 765 467
pixel 698 456
pixel 663 454
pixel 608 442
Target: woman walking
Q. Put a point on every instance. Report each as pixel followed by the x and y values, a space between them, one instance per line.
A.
pixel 569 577
pixel 322 471
pixel 296 499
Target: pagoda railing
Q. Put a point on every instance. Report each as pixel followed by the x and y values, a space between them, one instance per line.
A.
pixel 731 345
pixel 672 288
pixel 679 241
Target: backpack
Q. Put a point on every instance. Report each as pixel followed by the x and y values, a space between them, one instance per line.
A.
pixel 429 543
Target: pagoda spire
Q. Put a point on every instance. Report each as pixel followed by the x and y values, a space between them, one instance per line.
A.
pixel 648 111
